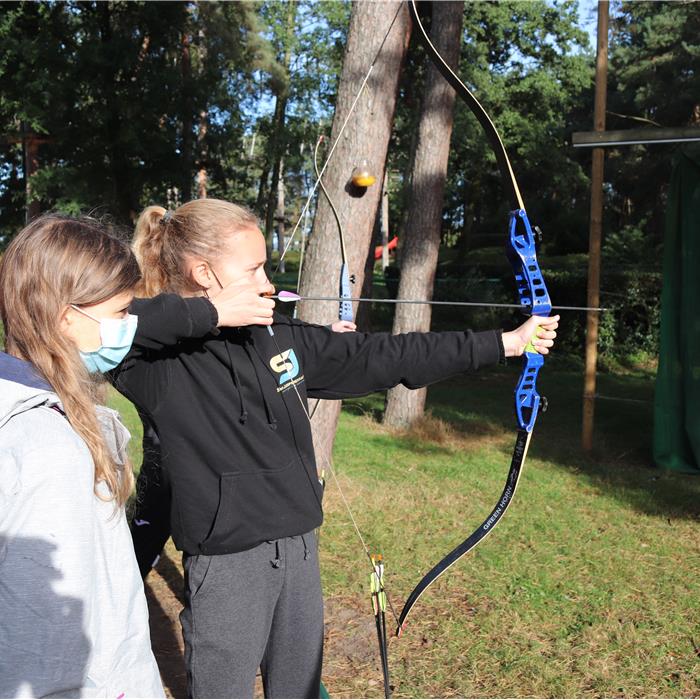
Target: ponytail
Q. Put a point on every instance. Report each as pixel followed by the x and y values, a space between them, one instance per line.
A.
pixel 148 248
pixel 164 241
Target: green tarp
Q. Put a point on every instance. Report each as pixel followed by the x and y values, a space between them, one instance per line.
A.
pixel 677 396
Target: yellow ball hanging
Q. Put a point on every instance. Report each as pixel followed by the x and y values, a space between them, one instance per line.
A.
pixel 361 175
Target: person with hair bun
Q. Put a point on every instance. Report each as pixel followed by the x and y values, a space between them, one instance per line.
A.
pixel 73 610
pixel 229 407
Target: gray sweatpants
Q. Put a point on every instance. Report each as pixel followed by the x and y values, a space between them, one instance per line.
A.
pixel 256 609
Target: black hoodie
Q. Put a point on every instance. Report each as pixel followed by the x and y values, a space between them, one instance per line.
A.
pixel 235 439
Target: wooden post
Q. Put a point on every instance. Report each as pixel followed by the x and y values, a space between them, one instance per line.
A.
pixel 596 228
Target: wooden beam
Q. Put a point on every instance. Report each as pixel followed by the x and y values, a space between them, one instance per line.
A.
pixel 630 137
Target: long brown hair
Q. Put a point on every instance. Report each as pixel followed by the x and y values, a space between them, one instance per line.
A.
pixel 163 241
pixel 53 262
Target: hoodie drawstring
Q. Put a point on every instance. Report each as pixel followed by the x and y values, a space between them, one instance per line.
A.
pixel 276 561
pixel 271 420
pixel 237 384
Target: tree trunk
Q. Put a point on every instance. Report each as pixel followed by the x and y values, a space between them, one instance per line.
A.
pixel 202 151
pixel 262 190
pixel 422 234
pixel 406 189
pixel 276 155
pixel 278 139
pixel 366 136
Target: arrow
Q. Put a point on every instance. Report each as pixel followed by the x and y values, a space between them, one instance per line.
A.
pixel 285 296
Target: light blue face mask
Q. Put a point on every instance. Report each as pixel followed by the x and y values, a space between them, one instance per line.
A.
pixel 116 334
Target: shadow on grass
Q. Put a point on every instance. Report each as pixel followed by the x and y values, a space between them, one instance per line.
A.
pixel 621 463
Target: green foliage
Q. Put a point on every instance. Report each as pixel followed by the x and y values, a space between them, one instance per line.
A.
pixel 121 91
pixel 628 328
pixel 314 52
pixel 654 80
pixel 630 291
pixel 656 52
pixel 524 62
pixel 631 247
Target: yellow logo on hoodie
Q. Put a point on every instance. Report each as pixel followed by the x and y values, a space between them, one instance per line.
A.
pixel 286 365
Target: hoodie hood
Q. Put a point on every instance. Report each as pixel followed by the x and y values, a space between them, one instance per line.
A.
pixel 21 388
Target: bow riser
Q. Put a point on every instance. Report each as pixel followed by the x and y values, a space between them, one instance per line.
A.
pixel 522 254
pixel 533 295
pixel 527 400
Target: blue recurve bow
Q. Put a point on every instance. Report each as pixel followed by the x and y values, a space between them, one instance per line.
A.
pixel 532 295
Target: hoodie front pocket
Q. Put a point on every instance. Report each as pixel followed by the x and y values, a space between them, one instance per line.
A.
pixel 261 505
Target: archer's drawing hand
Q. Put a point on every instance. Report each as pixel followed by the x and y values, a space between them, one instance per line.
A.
pixel 343 327
pixel 538 330
pixel 244 305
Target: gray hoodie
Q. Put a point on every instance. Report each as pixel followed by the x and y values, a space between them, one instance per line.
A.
pixel 73 615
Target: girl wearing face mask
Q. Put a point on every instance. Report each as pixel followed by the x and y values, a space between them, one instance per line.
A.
pixel 73 611
pixel 229 407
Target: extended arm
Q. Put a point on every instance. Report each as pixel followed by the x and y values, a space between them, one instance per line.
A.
pixel 341 365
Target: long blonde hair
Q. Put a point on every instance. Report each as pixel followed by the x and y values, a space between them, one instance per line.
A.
pixel 53 262
pixel 163 241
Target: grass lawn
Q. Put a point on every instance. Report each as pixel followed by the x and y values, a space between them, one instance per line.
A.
pixel 588 588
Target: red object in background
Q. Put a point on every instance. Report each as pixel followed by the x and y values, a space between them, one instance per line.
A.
pixel 390 246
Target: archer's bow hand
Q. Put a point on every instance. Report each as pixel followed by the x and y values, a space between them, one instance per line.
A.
pixel 343 327
pixel 537 334
pixel 244 305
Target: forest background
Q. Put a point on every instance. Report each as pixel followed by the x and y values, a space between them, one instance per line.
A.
pixel 135 103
